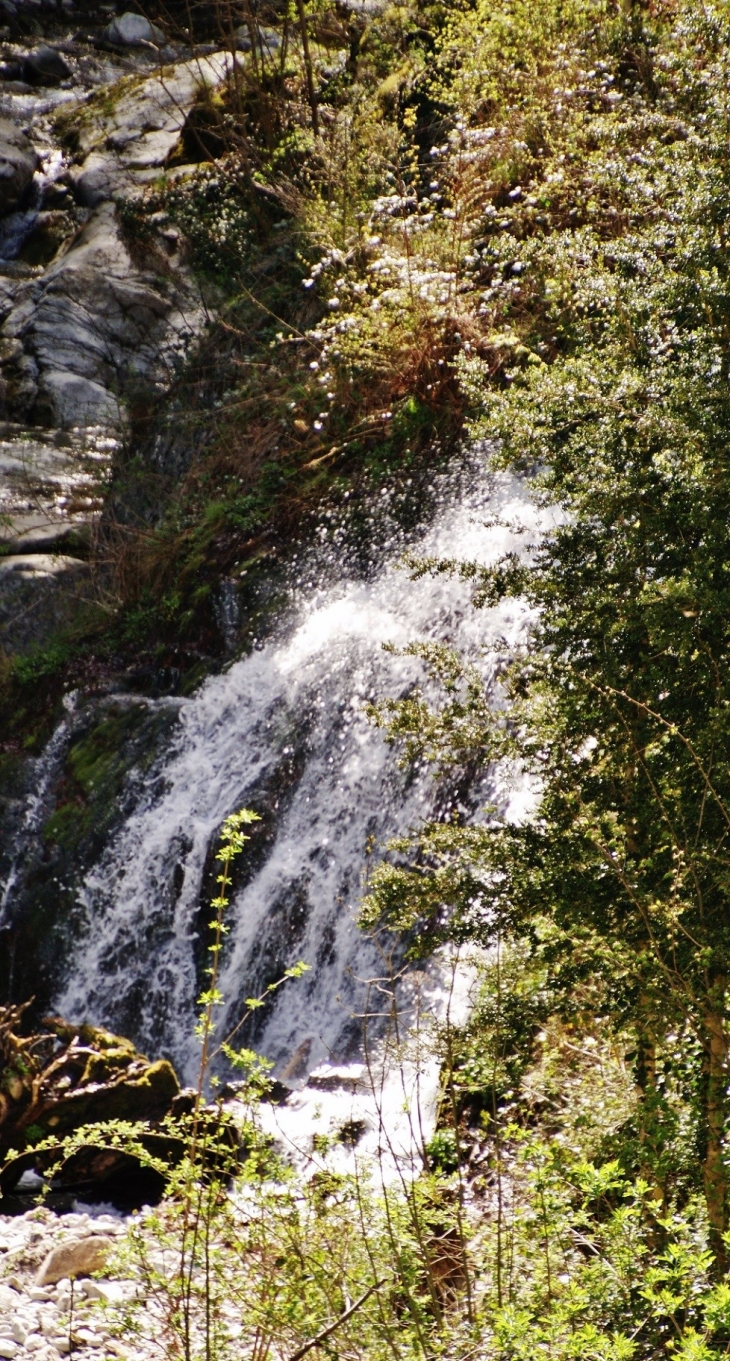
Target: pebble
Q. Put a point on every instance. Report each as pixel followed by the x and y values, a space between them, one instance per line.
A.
pixel 35 1319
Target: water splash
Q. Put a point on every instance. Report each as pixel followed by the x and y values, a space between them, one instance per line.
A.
pixel 377 1115
pixel 284 731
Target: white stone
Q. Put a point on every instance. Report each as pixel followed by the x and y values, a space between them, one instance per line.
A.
pixel 8 1348
pixel 109 1223
pixel 111 1292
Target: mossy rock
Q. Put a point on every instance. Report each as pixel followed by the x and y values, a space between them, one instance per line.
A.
pixel 146 1097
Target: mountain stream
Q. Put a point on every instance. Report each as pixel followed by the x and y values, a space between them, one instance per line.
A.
pixel 292 713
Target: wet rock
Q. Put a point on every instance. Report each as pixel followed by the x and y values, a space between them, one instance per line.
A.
pixel 132 30
pixel 80 1257
pixel 45 66
pixel 18 164
pixel 331 1078
pixel 114 1177
pixel 298 1066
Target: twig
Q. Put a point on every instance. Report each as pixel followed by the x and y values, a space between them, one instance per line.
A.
pixel 331 1328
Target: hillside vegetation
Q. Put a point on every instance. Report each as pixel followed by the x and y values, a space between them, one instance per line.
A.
pixel 509 222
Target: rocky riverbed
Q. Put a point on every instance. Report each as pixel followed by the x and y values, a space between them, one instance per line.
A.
pixel 44 1315
pixel 92 107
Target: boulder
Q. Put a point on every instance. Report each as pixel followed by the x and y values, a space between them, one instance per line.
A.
pixel 18 164
pixel 45 66
pixel 79 1257
pixel 132 30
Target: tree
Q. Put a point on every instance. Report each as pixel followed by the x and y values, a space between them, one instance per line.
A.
pixel 621 707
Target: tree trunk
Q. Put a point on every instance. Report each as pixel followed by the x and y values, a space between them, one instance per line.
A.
pixel 715 1176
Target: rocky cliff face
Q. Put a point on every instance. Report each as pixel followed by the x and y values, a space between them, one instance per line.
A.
pixel 87 323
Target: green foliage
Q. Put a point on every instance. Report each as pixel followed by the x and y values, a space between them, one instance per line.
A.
pixel 524 210
pixel 600 252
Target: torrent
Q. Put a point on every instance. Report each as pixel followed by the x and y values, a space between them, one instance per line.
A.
pixel 284 731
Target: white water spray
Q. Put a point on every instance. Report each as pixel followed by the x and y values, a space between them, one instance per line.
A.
pixel 287 724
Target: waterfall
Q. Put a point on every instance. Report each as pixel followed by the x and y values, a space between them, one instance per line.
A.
pixel 283 730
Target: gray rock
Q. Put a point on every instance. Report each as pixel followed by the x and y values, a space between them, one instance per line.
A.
pixel 77 401
pixel 45 66
pixel 18 164
pixel 83 331
pixel 43 540
pixel 80 1257
pixel 96 180
pixel 90 329
pixel 125 146
pixel 268 38
pixel 50 491
pixel 33 565
pixel 132 30
pixel 39 593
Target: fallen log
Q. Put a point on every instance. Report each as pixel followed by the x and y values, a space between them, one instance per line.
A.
pixel 64 1076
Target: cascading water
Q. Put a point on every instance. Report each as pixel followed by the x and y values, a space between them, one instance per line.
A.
pixel 285 729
